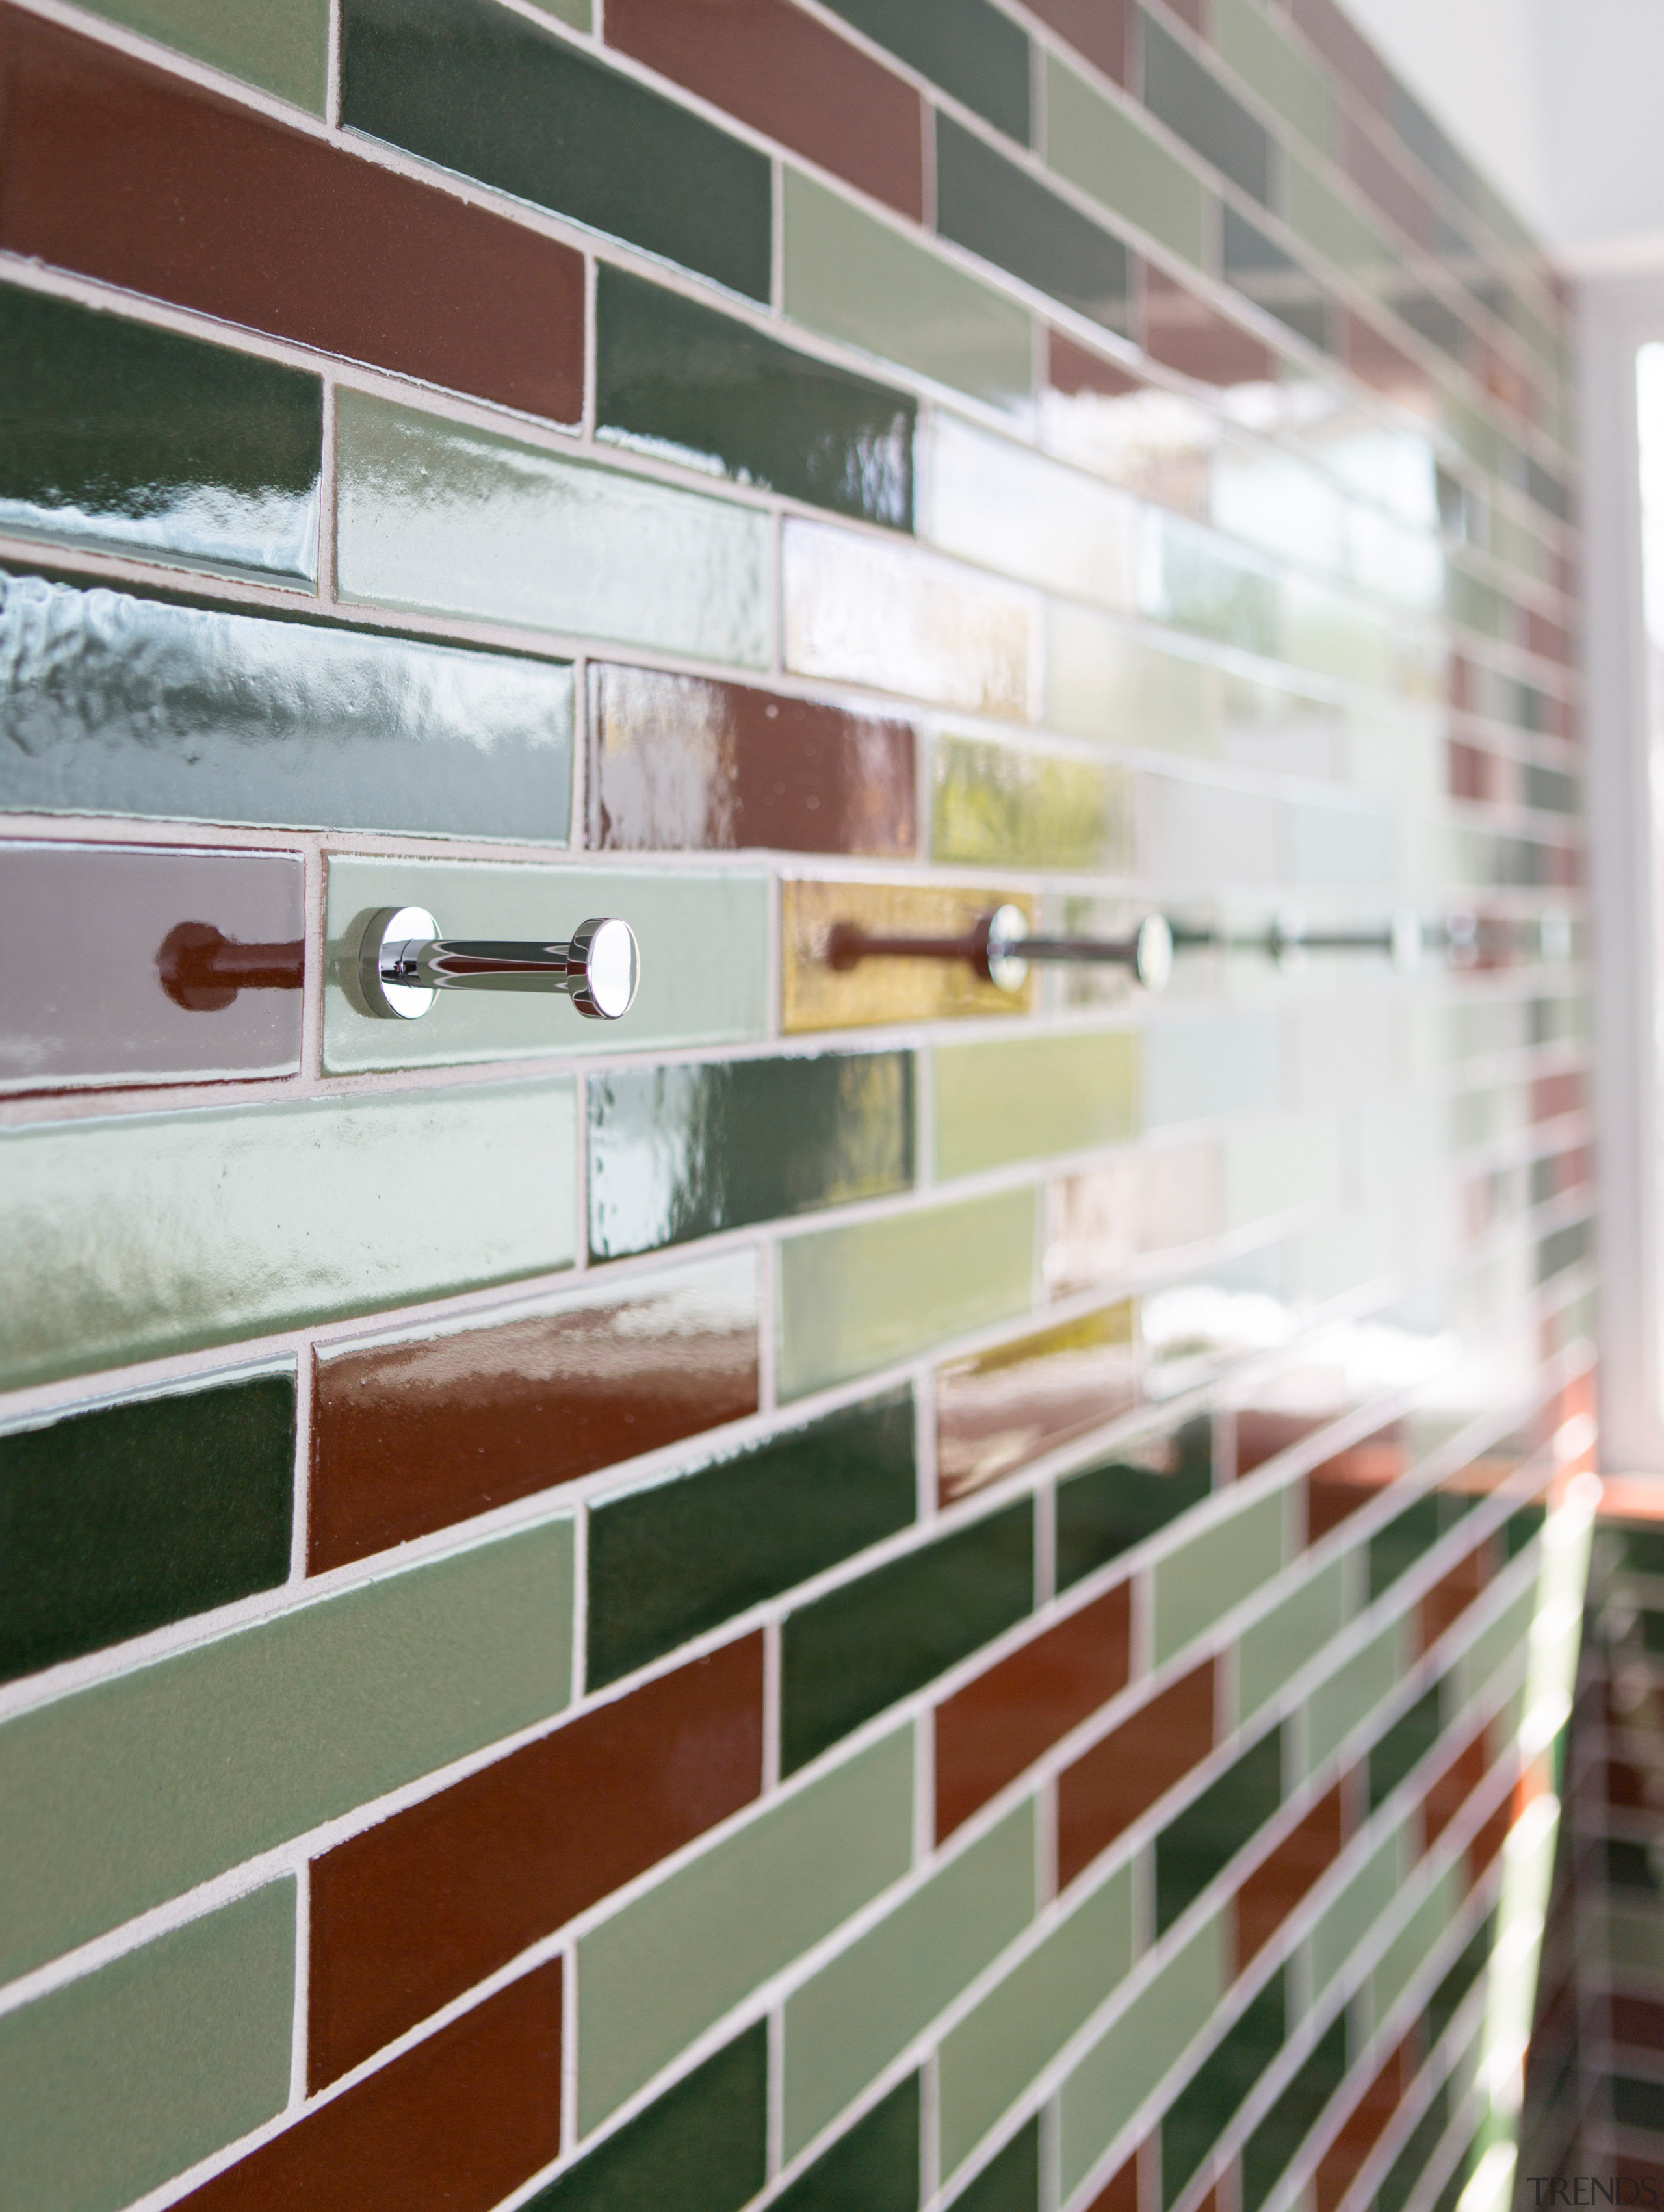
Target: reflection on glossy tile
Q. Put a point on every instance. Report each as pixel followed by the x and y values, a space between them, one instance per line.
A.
pixel 967 47
pixel 999 211
pixel 1105 683
pixel 1207 835
pixel 1131 1495
pixel 1107 152
pixel 816 996
pixel 1006 508
pixel 1155 442
pixel 876 2165
pixel 1008 1406
pixel 1003 1101
pixel 1098 1223
pixel 282 46
pixel 1191 101
pixel 994 805
pixel 1193 580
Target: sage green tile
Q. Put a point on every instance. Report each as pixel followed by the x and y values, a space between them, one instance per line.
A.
pixel 1413 1946
pixel 846 2024
pixel 1130 2059
pixel 116 2081
pixel 993 805
pixel 995 2051
pixel 579 13
pixel 282 46
pixel 1278 1646
pixel 1363 1899
pixel 1333 227
pixel 1354 1690
pixel 859 1297
pixel 1500 1640
pixel 1108 153
pixel 681 1001
pixel 1269 62
pixel 1005 507
pixel 1104 683
pixel 1029 1098
pixel 854 278
pixel 120 1797
pixel 654 1976
pixel 1217 1569
pixel 450 519
pixel 1636 1939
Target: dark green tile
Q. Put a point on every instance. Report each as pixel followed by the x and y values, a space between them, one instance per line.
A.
pixel 1009 2182
pixel 1116 1505
pixel 1524 1526
pixel 1406 2168
pixel 676 378
pixel 140 440
pixel 1274 280
pixel 1638 2104
pixel 676 1153
pixel 855 1650
pixel 1404 1744
pixel 987 204
pixel 1451 2195
pixel 667 1563
pixel 1395 1549
pixel 1191 1850
pixel 117 1521
pixel 1448 1999
pixel 479 90
pixel 1199 2115
pixel 967 47
pixel 1564 1248
pixel 1629 1866
pixel 1193 103
pixel 1266 2154
pixel 875 2165
pixel 1643 1548
pixel 701 2147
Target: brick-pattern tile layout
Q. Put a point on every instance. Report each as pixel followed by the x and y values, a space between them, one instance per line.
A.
pixel 874 1586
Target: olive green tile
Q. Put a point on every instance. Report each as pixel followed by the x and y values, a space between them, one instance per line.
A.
pixel 702 2146
pixel 1007 507
pixel 1105 683
pixel 1228 1562
pixel 1033 1097
pixel 1131 1496
pixel 1363 1897
pixel 680 1001
pixel 1107 152
pixel 1410 1949
pixel 846 2024
pixel 876 2165
pixel 1269 62
pixel 658 1972
pixel 130 1239
pixel 579 13
pixel 115 2082
pixel 993 805
pixel 985 2063
pixel 453 521
pixel 1280 1644
pixel 122 1795
pixel 969 48
pixel 282 46
pixel 1353 1691
pixel 852 277
pixel 862 1297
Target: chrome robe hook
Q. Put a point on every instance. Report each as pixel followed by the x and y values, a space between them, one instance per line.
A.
pixel 999 948
pixel 403 963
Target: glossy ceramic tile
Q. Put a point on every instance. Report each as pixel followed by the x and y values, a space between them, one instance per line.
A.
pixel 104 982
pixel 1123 1775
pixel 1009 509
pixel 1099 1224
pixel 1199 2115
pixel 1270 63
pixel 816 996
pixel 1183 330
pixel 133 439
pixel 130 1239
pixel 1281 1642
pixel 1271 1892
pixel 1193 103
pixel 1008 1406
pixel 1207 1064
pixel 672 1560
pixel 450 521
pixel 1105 683
pixel 408 1915
pixel 126 1794
pixel 413 1433
pixel 992 805
pixel 1192 1850
pixel 1010 2182
pixel 1107 152
pixel 875 2163
pixel 1027 1099
pixel 1202 1579
pixel 669 1965
pixel 1363 1682
pixel 703 2144
pixel 1000 212
pixel 283 49
pixel 1403 1746
pixel 1133 1495
pixel 967 47
pixel 1279 2136
pixel 115 2082
pixel 123 173
pixel 540 120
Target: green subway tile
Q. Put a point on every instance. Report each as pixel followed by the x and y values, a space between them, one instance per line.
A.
pixel 845 2025
pixel 967 47
pixel 1393 1550
pixel 1107 152
pixel 986 2063
pixel 138 440
pixel 657 1973
pixel 1104 684
pixel 134 1238
pixel 1109 1508
pixel 1201 1842
pixel 876 2165
pixel 1010 2182
pixel 1448 1999
pixel 1217 1570
pixel 1194 582
pixel 115 2082
pixel 854 278
pixel 675 378
pixel 678 1153
pixel 994 806
pixel 680 1002
pixel 999 211
pixel 119 1519
pixel 282 46
pixel 999 504
pixel 1271 2147
pixel 1332 226
pixel 702 2146
pixel 1411 1946
pixel 1406 2169
pixel 669 1562
pixel 851 1653
pixel 1269 62
pixel 876 1292
pixel 1031 1098
pixel 1405 1745
pixel 1134 2054
pixel 1204 2107
pixel 1344 1922
pixel 1357 1685
pixel 1280 1644
pixel 453 521
pixel 1497 1645
pixel 131 1792
pixel 1190 100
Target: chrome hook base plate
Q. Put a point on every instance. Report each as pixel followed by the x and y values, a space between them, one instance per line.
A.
pixel 387 974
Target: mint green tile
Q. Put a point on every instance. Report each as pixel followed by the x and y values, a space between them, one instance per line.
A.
pixel 1030 1097
pixel 995 2051
pixel 1333 227
pixel 860 1297
pixel 1104 150
pixel 1104 683
pixel 650 1978
pixel 1292 1633
pixel 854 278
pixel 1217 1570
pixel 846 2024
pixel 1269 62
pixel 118 2080
pixel 1354 1690
pixel 133 1238
pixel 1501 1640
pixel 993 805
pixel 120 1797
pixel 1129 2058
pixel 1364 1897
pixel 453 521
pixel 680 1001
pixel 1413 1946
pixel 282 46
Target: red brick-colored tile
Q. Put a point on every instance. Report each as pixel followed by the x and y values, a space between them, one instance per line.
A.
pixel 411 1913
pixel 1184 332
pixel 1108 1787
pixel 460 2121
pixel 1363 2129
pixel 1452 1787
pixel 1100 29
pixel 1647 2173
pixel 1277 1885
pixel 1338 1486
pixel 1262 1432
pixel 1637 2021
pixel 1554 1094
pixel 126 173
pixel 1072 368
pixel 1444 1605
pixel 1120 2192
pixel 988 1731
pixel 1489 1837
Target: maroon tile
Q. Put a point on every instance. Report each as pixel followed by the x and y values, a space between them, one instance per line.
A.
pixel 1002 1721
pixel 1003 1407
pixel 1626 1785
pixel 1262 1431
pixel 124 172
pixel 1444 1605
pixel 1551 640
pixel 411 1913
pixel 1363 2126
pixel 1338 1486
pixel 1473 771
pixel 1108 1787
pixel 1554 1094
pixel 1451 1788
pixel 1490 1836
pixel 787 75
pixel 680 764
pixel 1120 2192
pixel 1637 2021
pixel 1346 51
pixel 410 1436
pixel 1184 332
pixel 460 2121
pixel 1072 369
pixel 1277 1885
pixel 1194 12
pixel 1100 29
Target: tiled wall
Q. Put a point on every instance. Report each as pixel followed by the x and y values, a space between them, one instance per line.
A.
pixel 861 1591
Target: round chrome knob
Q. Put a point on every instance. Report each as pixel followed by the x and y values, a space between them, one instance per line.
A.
pixel 608 968
pixel 1152 955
